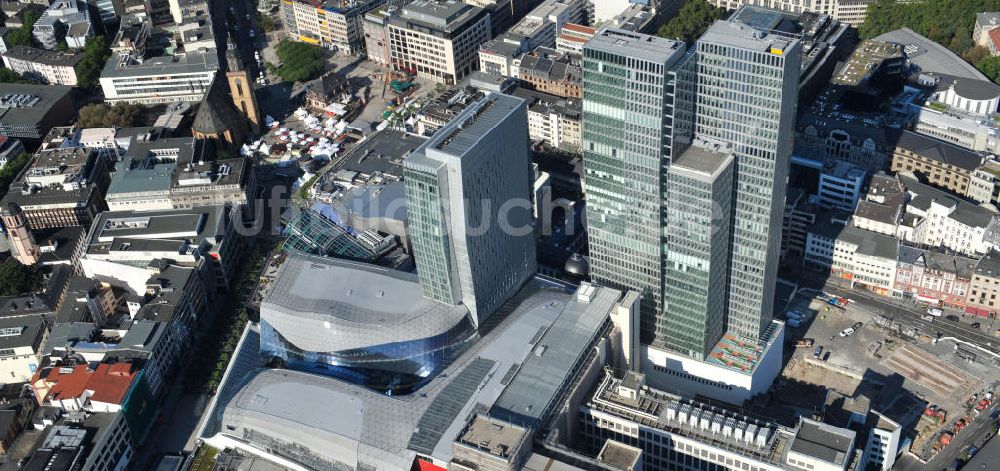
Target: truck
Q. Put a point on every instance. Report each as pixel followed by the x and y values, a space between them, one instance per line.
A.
pixel 833 300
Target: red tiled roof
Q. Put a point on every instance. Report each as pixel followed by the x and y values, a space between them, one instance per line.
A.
pixel 109 382
pixel 994 35
pixel 577 39
pixel 67 384
pixel 580 28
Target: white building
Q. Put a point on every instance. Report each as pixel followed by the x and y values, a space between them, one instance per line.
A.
pixel 553 120
pixel 883 444
pixel 160 79
pixel 438 41
pixel 40 65
pixel 937 218
pixel 329 23
pixel 980 97
pixel 573 36
pixel 64 19
pixel 840 185
pixel 677 433
pixel 856 255
pixel 22 336
pixel 605 10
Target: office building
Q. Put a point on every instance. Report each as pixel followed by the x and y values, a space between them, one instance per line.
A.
pixel 109 10
pixel 40 65
pixel 163 79
pixel 573 36
pixel 29 111
pixel 841 185
pixel 624 121
pixel 468 197
pixel 90 441
pixel 862 258
pixel 437 40
pixel 329 23
pixel 627 118
pixel 761 136
pixel 675 432
pixel 121 244
pixel 699 209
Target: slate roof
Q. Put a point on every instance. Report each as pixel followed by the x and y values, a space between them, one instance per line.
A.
pixel 939 150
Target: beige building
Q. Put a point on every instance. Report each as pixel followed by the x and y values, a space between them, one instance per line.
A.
pixel 942 164
pixel 984 287
pixel 438 40
pixel 329 23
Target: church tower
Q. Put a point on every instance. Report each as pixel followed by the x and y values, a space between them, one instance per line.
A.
pixel 22 243
pixel 241 87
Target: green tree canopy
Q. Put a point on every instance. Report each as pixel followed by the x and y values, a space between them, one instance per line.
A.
pixel 9 172
pixel 265 22
pixel 95 54
pixel 103 115
pixel 9 76
pixel 18 279
pixel 946 22
pixel 691 21
pixel 299 61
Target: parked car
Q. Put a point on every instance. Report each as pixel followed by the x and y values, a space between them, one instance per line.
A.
pixel 857 326
pixel 826 356
pixel 818 352
pixel 936 312
pixel 976 325
pixel 804 343
pixel 927 317
pixel 847 332
pixel 952 317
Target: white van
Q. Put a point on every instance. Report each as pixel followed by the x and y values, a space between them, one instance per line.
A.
pixel 936 312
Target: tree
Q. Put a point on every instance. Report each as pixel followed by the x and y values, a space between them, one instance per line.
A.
pixel 18 279
pixel 946 22
pixel 22 36
pixel 265 22
pixel 691 21
pixel 299 61
pixel 95 54
pixel 975 55
pixel 9 76
pixel 103 115
pixel 9 172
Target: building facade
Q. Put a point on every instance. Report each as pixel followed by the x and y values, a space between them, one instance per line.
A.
pixel 852 12
pixel 985 287
pixel 437 41
pixel 933 278
pixel 942 164
pixel 160 79
pixel 468 196
pixel 331 24
pixel 39 65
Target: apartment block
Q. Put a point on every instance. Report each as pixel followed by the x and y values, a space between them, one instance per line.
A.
pixel 860 257
pixel 932 277
pixel 40 65
pixel 985 287
pixel 549 71
pixel 553 120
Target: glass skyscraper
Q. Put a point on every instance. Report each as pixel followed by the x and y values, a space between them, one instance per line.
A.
pixel 468 197
pixel 701 240
pixel 627 133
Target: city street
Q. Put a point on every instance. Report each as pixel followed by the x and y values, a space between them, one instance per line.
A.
pixel 911 314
